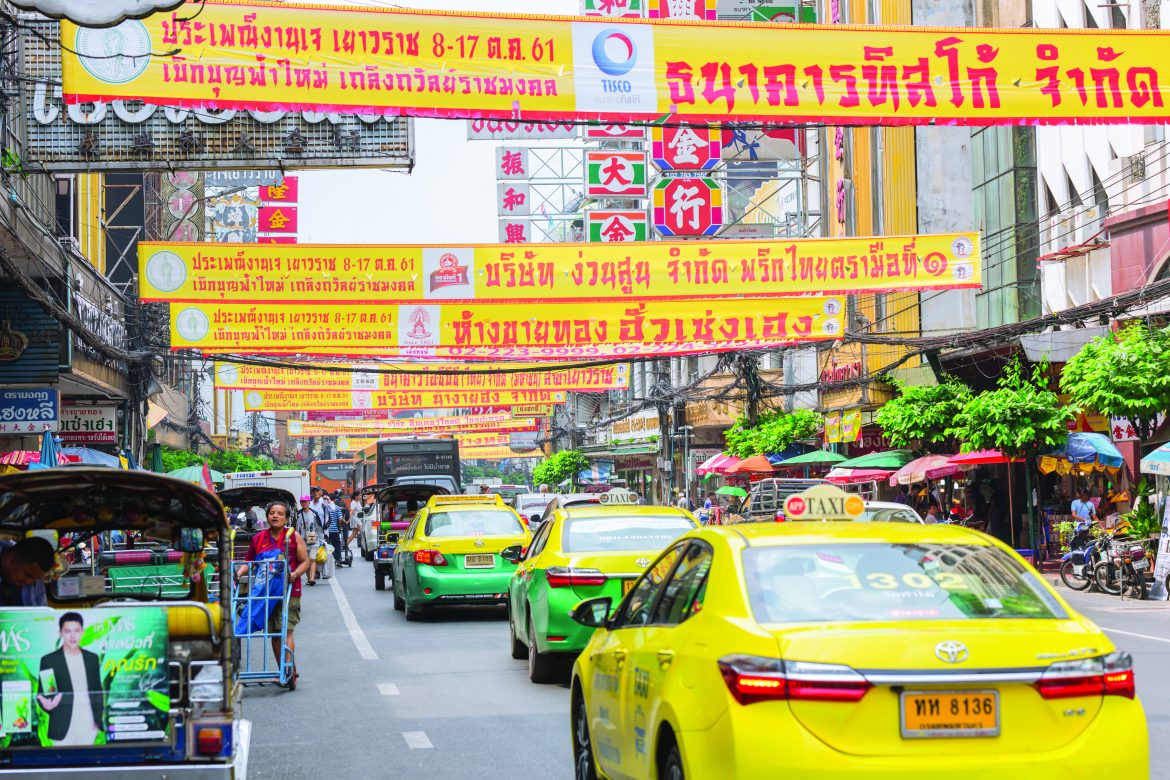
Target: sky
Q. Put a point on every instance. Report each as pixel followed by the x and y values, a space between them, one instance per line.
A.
pixel 450 196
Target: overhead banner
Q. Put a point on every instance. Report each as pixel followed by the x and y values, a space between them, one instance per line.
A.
pixel 269 56
pixel 439 376
pixel 387 428
pixel 298 400
pixel 337 274
pixel 496 453
pixel 534 330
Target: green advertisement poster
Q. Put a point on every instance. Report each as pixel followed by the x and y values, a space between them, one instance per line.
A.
pixel 84 677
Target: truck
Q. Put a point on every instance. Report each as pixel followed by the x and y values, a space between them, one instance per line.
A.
pixel 411 460
pixel 295 481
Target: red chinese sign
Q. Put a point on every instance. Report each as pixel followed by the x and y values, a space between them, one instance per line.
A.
pixel 278 219
pixel 683 9
pixel 285 192
pixel 688 207
pixel 612 131
pixel 686 148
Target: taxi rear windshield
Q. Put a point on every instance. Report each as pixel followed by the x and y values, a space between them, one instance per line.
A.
pixel 874 582
pixel 619 534
pixel 473 522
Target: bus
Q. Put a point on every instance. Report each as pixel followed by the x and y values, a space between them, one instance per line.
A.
pixel 333 475
pixel 408 458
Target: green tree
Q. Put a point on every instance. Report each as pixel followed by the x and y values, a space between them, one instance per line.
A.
pixel 566 464
pixel 1126 374
pixel 229 461
pixel 922 414
pixel 773 432
pixel 1017 418
pixel 179 459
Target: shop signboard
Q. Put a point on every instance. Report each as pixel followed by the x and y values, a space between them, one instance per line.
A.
pixel 278 219
pixel 1122 428
pixel 851 426
pixel 686 148
pixel 515 230
pixel 832 428
pixel 122 654
pixel 703 10
pixel 97 424
pixel 513 199
pixel 766 11
pixel 613 132
pixel 504 130
pixel 688 207
pixel 842 363
pixel 615 174
pixel 532 410
pixel 512 163
pixel 871 440
pixel 604 226
pixel 638 428
pixel 614 9
pixel 29 340
pixel 29 410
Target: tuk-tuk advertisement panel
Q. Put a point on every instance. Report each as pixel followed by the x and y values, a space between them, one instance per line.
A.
pixel 121 654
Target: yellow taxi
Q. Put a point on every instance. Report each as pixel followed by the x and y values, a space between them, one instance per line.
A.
pixel 450 554
pixel 849 650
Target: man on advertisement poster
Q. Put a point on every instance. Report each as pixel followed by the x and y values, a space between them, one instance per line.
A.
pixel 70 679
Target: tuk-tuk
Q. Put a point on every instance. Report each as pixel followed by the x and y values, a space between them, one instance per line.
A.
pixel 156 648
pixel 244 498
pixel 391 516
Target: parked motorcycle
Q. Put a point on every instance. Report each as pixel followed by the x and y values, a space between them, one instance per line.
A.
pixel 1123 570
pixel 1077 565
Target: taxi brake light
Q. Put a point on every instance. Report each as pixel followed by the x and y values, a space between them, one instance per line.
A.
pixel 209 740
pixel 753 679
pixel 430 557
pixel 1111 675
pixel 564 577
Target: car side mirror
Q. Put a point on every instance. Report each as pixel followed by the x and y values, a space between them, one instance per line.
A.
pixel 393 537
pixel 513 553
pixel 593 613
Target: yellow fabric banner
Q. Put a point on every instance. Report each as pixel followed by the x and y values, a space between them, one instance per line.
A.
pixel 496 453
pixel 509 331
pixel 279 56
pixel 308 273
pixel 446 376
pixel 385 429
pixel 467 443
pixel 325 400
pixel 354 443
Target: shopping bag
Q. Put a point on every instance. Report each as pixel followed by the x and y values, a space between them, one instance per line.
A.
pixel 266 588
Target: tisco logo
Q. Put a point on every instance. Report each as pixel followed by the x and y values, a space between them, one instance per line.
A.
pixel 615 55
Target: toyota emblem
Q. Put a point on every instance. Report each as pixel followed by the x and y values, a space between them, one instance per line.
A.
pixel 479 542
pixel 643 562
pixel 951 652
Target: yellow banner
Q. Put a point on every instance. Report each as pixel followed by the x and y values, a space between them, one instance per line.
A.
pixel 354 444
pixel 440 376
pixel 307 273
pixel 532 410
pixel 385 429
pixel 326 400
pixel 533 330
pixel 473 442
pixel 496 453
pixel 274 56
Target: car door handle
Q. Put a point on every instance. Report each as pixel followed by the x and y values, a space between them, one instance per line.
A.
pixel 665 657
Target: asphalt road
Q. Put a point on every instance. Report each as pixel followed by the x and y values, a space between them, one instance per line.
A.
pixel 382 698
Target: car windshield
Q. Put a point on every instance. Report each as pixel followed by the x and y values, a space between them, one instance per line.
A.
pixel 872 582
pixel 888 515
pixel 617 534
pixel 473 522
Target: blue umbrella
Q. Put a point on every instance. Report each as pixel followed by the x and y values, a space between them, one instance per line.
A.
pixel 1091 448
pixel 1157 462
pixel 93 457
pixel 50 454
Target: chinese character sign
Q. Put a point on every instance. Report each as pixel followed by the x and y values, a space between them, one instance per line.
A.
pixel 29 411
pixel 686 148
pixel 515 231
pixel 688 207
pixel 274 56
pixel 615 174
pixel 615 226
pixel 614 9
pixel 511 162
pixel 287 191
pixel 278 219
pixel 614 131
pixel 513 199
pixel 309 273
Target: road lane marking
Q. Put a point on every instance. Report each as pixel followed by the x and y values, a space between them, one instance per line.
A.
pixel 417 740
pixel 364 648
pixel 1139 636
pixel 388 689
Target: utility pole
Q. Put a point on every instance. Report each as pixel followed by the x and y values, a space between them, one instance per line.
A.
pixel 748 368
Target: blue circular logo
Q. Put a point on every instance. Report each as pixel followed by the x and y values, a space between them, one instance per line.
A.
pixel 614 52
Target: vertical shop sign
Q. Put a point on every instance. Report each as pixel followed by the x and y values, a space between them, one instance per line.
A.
pixel 686 148
pixel 616 226
pixel 615 174
pixel 688 207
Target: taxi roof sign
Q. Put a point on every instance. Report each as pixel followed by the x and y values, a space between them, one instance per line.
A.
pixel 618 496
pixel 824 502
pixel 480 498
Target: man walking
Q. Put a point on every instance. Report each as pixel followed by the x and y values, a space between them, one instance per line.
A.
pixel 333 526
pixel 312 530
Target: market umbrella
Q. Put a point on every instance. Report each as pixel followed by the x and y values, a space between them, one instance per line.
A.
pixel 757 464
pixel 156 461
pixel 981 458
pixel 92 457
pixel 924 468
pixel 22 458
pixel 194 474
pixel 848 476
pixel 731 490
pixel 717 464
pixel 1090 448
pixel 49 451
pixel 1157 462
pixel 890 460
pixel 814 458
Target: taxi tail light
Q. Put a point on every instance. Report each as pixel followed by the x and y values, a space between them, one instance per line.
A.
pixel 752 679
pixel 430 557
pixel 564 577
pixel 209 740
pixel 1110 675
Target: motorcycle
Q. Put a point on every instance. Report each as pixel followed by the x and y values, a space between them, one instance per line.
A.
pixel 1123 570
pixel 1078 564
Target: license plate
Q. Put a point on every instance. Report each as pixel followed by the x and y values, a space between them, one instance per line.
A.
pixel 1141 565
pixel 479 561
pixel 1078 569
pixel 627 586
pixel 933 714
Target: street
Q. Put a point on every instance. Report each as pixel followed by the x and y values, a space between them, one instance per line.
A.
pixel 380 697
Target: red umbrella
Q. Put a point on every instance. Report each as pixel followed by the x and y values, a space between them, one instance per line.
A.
pixel 848 476
pixel 25 457
pixel 758 464
pixel 981 458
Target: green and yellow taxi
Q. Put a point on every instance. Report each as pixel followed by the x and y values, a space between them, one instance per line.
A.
pixel 450 554
pixel 849 650
pixel 581 552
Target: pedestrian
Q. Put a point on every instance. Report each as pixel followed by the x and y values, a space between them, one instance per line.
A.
pixel 317 503
pixel 683 502
pixel 333 526
pixel 311 529
pixel 23 568
pixel 933 513
pixel 355 520
pixel 483 489
pixel 544 488
pixel 288 545
pixel 710 502
pixel 903 496
pixel 1082 508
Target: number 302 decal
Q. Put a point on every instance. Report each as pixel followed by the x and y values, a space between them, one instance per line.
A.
pixel 916 580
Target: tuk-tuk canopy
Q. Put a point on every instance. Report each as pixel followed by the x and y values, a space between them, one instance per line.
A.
pixel 257 495
pixel 95 499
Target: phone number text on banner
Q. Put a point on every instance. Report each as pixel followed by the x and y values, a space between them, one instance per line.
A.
pixel 232 376
pixel 530 330
pixel 270 56
pixel 305 273
pixel 300 400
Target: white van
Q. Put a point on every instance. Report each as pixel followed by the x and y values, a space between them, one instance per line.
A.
pixel 295 481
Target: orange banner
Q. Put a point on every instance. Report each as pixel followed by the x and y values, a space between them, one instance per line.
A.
pixel 326 400
pixel 277 56
pixel 381 275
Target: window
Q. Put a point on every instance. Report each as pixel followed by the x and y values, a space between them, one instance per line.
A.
pixel 414 526
pixel 684 591
pixel 618 534
pixel 539 541
pixel 478 522
pixel 639 605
